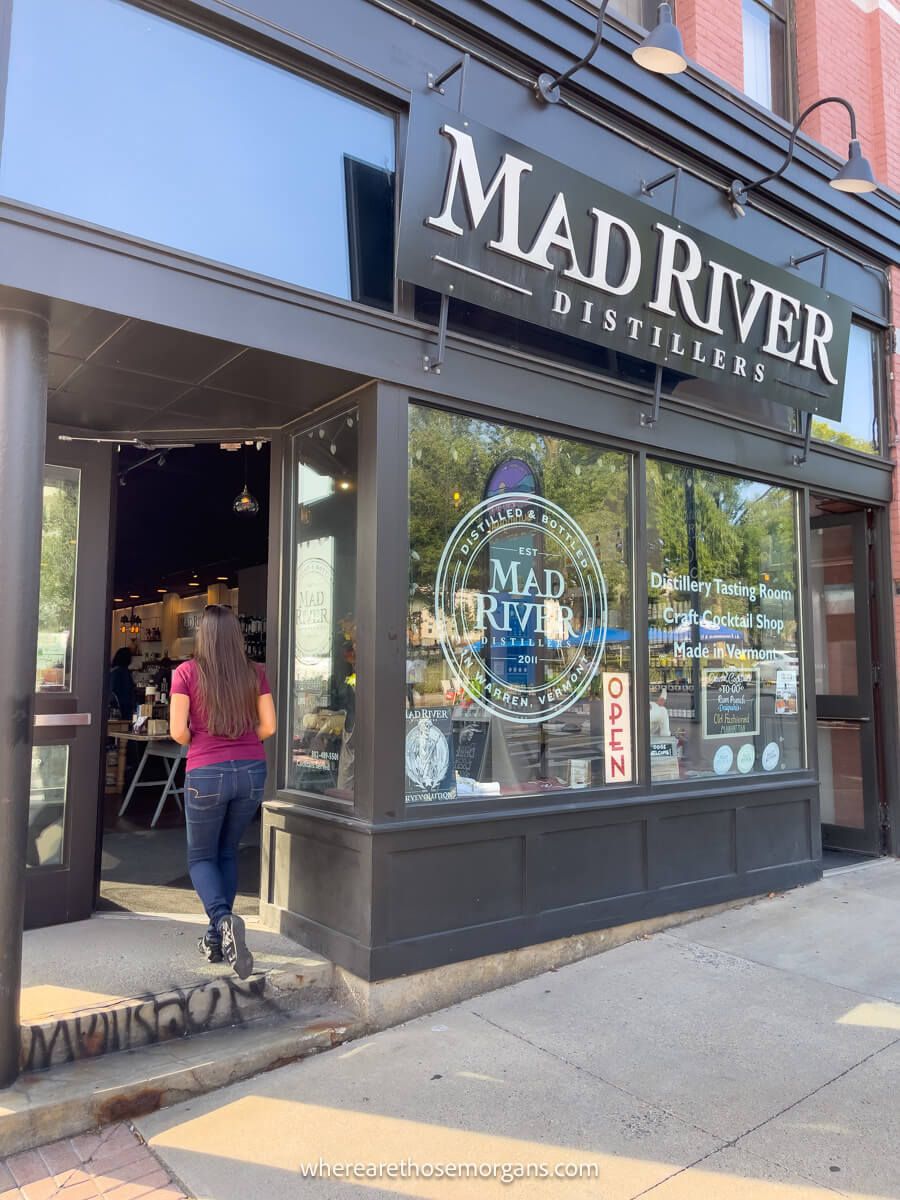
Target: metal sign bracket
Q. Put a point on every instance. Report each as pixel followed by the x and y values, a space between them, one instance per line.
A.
pixel 436 82
pixel 822 253
pixel 673 176
pixel 800 457
pixel 649 420
pixel 434 362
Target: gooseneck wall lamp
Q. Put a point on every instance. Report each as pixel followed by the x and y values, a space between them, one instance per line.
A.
pixel 661 51
pixel 856 175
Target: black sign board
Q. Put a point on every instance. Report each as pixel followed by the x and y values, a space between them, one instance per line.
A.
pixel 490 221
pixel 430 776
pixel 472 738
pixel 730 702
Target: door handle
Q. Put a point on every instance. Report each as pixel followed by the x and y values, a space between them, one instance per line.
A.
pixel 60 720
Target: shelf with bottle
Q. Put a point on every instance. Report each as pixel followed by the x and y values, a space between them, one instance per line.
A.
pixel 254 630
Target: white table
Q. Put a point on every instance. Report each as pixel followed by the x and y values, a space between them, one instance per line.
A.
pixel 155 747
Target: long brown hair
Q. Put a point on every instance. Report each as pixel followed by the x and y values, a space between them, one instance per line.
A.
pixel 227 680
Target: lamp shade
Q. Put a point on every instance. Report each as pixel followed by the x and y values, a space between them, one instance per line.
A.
pixel 856 175
pixel 246 504
pixel 662 50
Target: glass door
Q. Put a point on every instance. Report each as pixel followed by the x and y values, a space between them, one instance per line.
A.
pixel 70 680
pixel 849 778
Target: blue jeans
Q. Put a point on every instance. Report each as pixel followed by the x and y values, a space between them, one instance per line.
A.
pixel 220 802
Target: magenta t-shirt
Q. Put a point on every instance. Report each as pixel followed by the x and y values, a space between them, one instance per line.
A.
pixel 207 748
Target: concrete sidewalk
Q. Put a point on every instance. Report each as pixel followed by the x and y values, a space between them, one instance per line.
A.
pixel 753 1055
pixel 97 963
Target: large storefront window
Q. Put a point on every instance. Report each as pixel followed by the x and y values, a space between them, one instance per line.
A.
pixel 123 118
pixel 321 750
pixel 726 681
pixel 520 612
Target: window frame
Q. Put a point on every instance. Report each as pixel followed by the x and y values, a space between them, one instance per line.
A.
pixel 788 20
pixel 291 438
pixel 880 408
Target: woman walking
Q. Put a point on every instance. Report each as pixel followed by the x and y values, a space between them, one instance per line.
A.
pixel 222 709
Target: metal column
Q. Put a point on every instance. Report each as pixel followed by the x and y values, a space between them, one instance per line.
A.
pixel 23 424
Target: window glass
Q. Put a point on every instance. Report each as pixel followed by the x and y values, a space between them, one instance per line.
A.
pixel 151 128
pixel 47 806
pixel 834 616
pixel 765 37
pixel 842 797
pixel 519 651
pixel 59 555
pixel 641 12
pixel 725 670
pixel 323 700
pixel 858 426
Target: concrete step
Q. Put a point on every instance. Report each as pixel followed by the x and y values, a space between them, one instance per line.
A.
pixel 43 1106
pixel 101 1025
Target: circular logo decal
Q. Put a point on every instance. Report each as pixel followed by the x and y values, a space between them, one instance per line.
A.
pixel 746 757
pixel 771 756
pixel 427 754
pixel 315 589
pixel 521 608
pixel 722 760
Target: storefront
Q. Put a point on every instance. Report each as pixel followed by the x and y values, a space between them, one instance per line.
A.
pixel 579 596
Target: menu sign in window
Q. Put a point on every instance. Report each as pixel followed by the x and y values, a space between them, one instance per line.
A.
pixel 730 702
pixel 430 774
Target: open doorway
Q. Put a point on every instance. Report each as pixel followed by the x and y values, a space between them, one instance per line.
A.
pixel 191 529
pixel 843 594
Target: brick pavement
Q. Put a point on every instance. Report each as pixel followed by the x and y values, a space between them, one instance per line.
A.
pixel 113 1163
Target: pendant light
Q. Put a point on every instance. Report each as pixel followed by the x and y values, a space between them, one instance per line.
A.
pixel 855 176
pixel 662 50
pixel 246 503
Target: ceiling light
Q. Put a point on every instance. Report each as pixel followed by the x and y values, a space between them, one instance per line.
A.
pixel 222 578
pixel 245 504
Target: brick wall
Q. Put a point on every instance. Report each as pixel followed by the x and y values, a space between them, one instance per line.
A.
pixel 712 36
pixel 848 48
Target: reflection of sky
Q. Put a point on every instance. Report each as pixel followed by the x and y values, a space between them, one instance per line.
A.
pixel 130 121
pixel 858 417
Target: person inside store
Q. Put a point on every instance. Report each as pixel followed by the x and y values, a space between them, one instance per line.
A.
pixel 659 716
pixel 221 708
pixel 121 684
